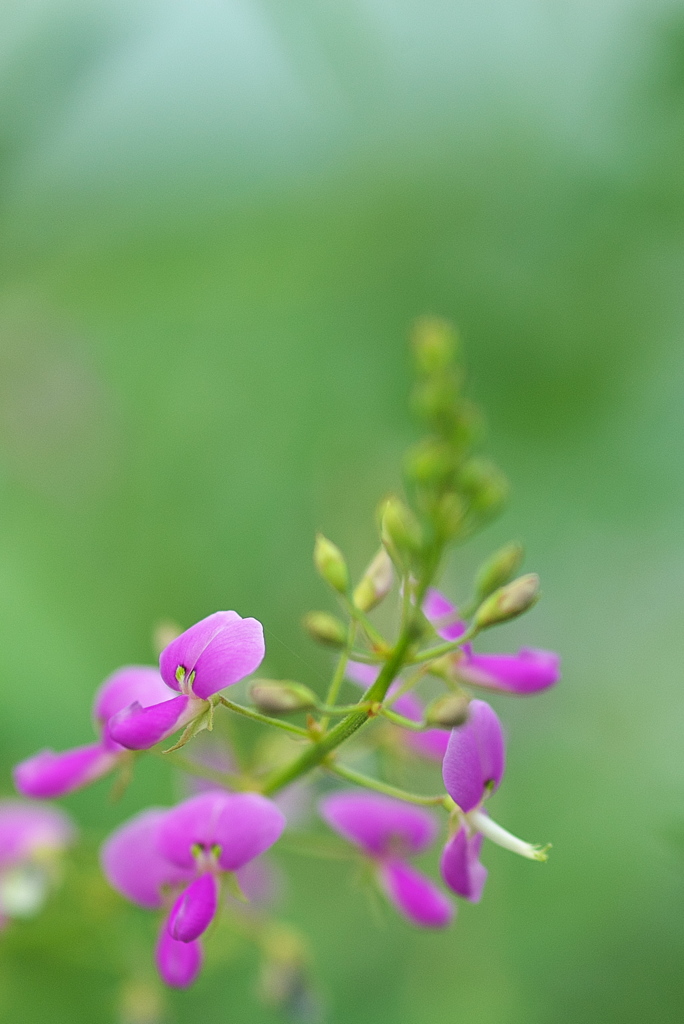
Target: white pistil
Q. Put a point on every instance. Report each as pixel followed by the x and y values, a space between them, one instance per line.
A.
pixel 483 823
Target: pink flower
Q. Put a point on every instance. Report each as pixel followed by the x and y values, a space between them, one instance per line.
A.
pixel 50 774
pixel 175 859
pixel 389 832
pixel 31 837
pixel 214 653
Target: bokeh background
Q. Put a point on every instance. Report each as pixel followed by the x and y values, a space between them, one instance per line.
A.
pixel 219 218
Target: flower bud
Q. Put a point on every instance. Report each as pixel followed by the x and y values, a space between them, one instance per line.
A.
pixel 376 582
pixel 498 569
pixel 508 602
pixel 330 563
pixel 429 462
pixel 434 344
pixel 449 711
pixel 281 697
pixel 485 485
pixel 399 530
pixel 325 629
pixel 449 515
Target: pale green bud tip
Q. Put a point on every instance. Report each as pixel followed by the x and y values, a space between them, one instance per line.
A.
pixel 376 582
pixel 330 564
pixel 325 629
pixel 448 712
pixel 276 697
pixel 498 569
pixel 508 602
pixel 434 344
pixel 399 529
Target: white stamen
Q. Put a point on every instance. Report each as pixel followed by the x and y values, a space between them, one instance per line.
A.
pixel 484 824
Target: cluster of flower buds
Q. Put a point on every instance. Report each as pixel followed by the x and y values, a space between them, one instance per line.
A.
pixel 190 861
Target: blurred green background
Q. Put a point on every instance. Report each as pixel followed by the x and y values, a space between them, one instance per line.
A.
pixel 219 218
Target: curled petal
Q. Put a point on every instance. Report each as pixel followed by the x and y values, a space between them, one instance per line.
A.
pixel 140 683
pixel 378 824
pixel 234 827
pixel 443 616
pixel 139 728
pixel 528 671
pixel 475 757
pixel 415 895
pixel 49 774
pixel 178 963
pixel 133 865
pixel 220 650
pixel 194 909
pixel 28 829
pixel 460 865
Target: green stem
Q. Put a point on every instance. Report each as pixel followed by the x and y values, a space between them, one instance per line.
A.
pixel 383 787
pixel 256 716
pixel 341 709
pixel 405 723
pixel 318 751
pixel 437 652
pixel 338 676
pixel 376 638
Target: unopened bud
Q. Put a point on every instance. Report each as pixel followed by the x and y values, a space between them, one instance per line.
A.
pixel 330 564
pixel 449 711
pixel 449 516
pixel 508 602
pixel 325 629
pixel 485 485
pixel 281 697
pixel 376 582
pixel 429 462
pixel 498 569
pixel 399 530
pixel 434 344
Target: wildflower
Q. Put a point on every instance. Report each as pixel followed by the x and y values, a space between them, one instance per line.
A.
pixel 528 671
pixel 388 831
pixel 428 743
pixel 473 768
pixel 51 774
pixel 31 838
pixel 176 859
pixel 216 652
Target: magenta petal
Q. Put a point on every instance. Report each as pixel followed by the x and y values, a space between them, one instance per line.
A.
pixel 49 774
pixel 28 828
pixel 359 672
pixel 194 909
pixel 475 756
pixel 378 824
pixel 220 650
pixel 140 683
pixel 139 728
pixel 443 616
pixel 240 825
pixel 460 865
pixel 431 744
pixel 178 963
pixel 133 865
pixel 415 896
pixel 528 671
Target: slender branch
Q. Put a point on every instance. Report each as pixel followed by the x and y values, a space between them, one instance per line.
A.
pixel 449 648
pixel 405 723
pixel 383 787
pixel 376 638
pixel 338 675
pixel 256 716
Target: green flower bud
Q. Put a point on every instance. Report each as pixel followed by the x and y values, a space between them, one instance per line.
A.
pixel 449 711
pixel 449 516
pixel 325 629
pixel 330 564
pixel 399 529
pixel 376 582
pixel 498 569
pixel 508 602
pixel 434 344
pixel 429 462
pixel 485 485
pixel 276 697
